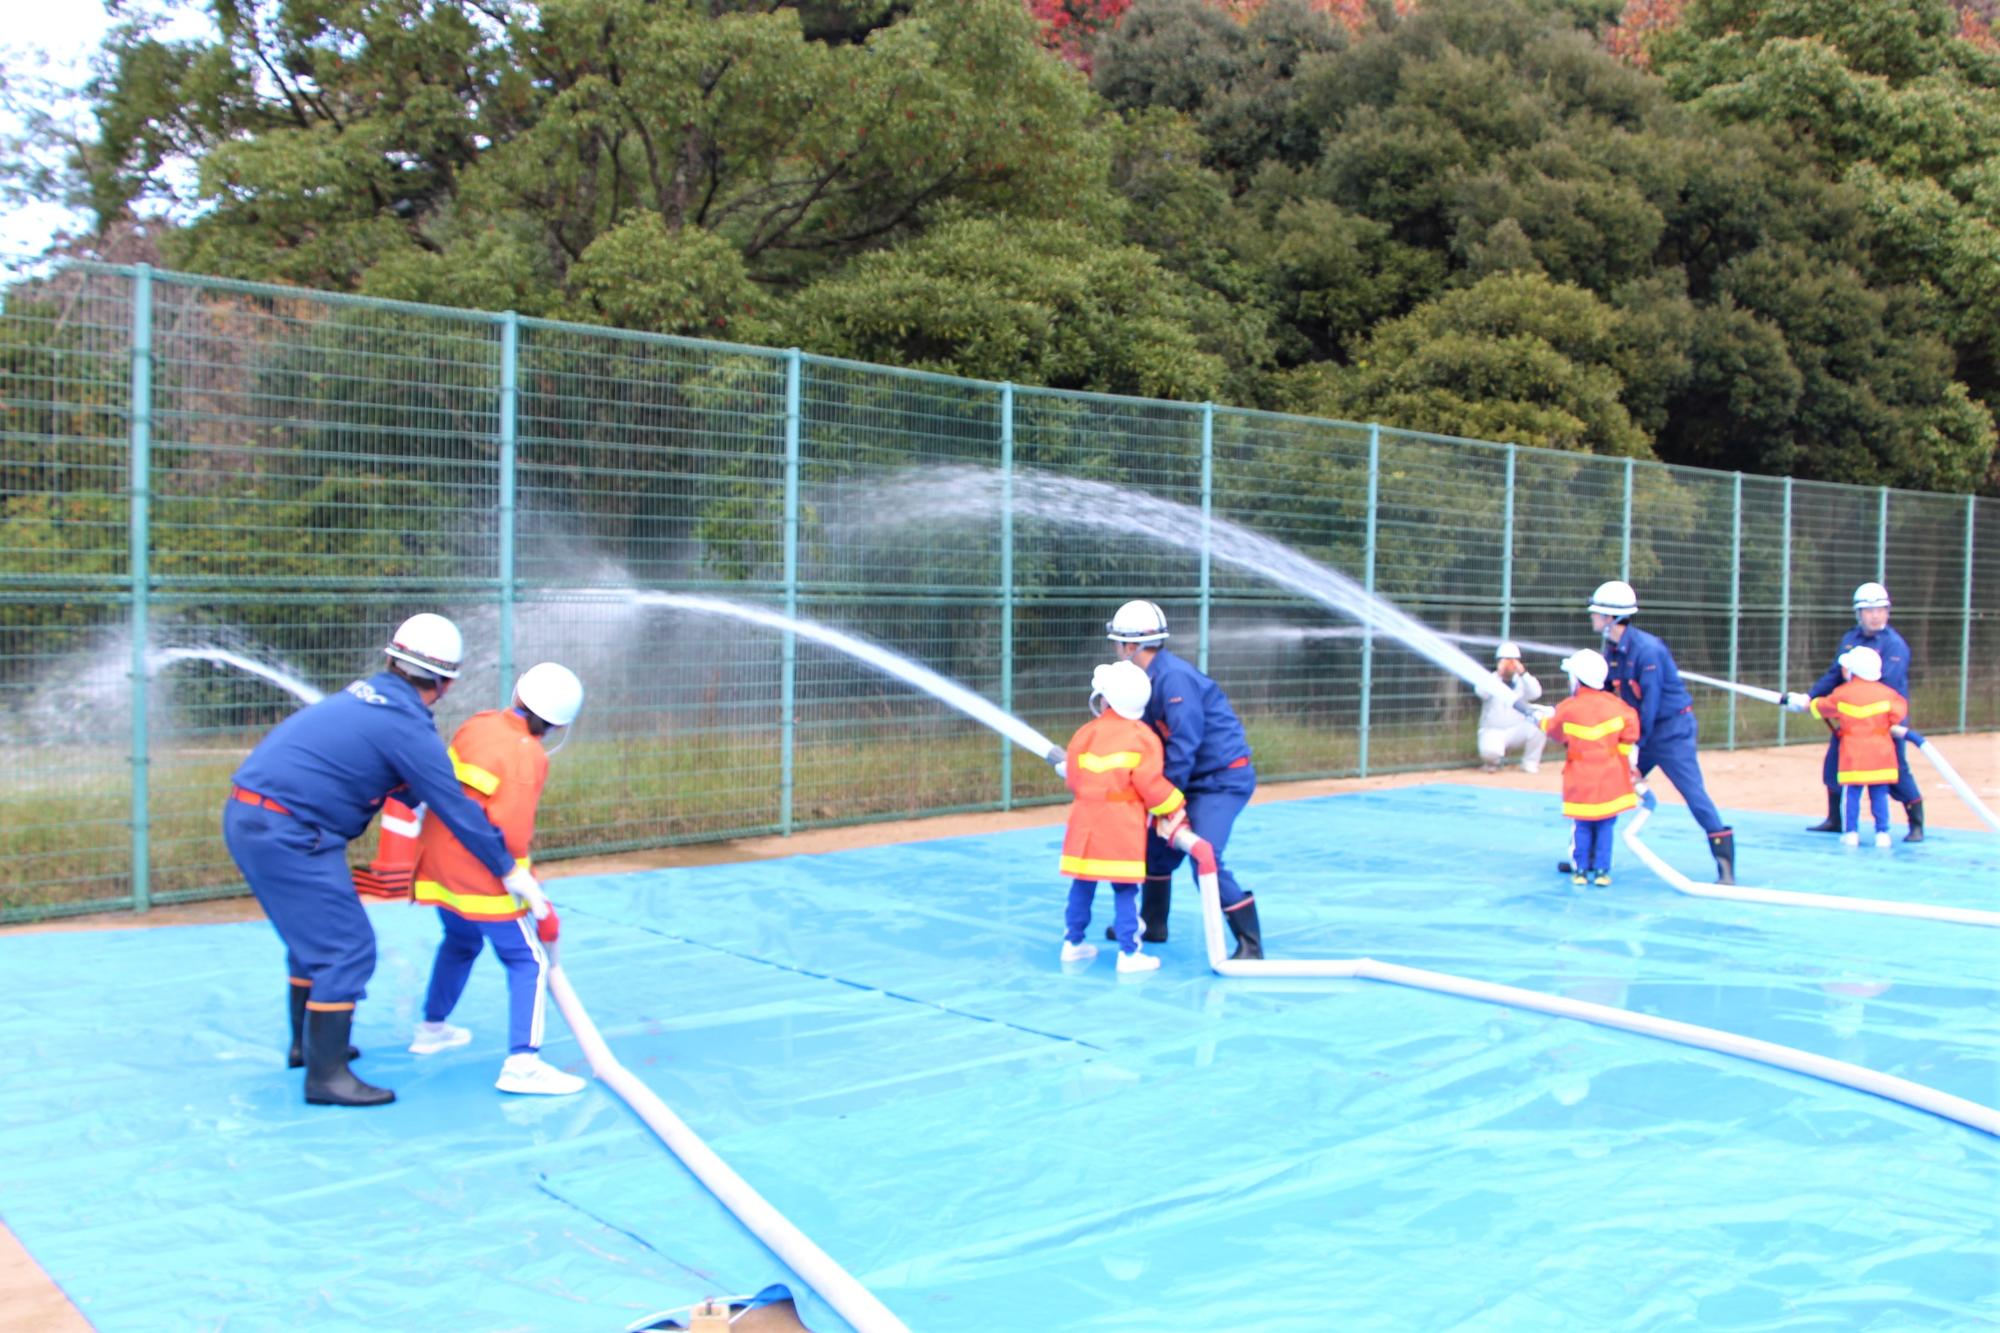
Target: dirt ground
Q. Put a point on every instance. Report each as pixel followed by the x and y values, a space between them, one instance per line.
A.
pixel 1778 781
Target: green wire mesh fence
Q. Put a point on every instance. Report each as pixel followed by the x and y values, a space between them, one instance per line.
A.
pixel 217 498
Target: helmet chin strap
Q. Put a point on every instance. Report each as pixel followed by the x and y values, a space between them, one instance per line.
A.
pixel 560 741
pixel 1096 704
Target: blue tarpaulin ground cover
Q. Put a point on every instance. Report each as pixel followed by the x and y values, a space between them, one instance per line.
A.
pixel 884 1044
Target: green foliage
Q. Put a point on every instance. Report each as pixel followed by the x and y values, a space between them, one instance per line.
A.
pixel 1513 357
pixel 1049 304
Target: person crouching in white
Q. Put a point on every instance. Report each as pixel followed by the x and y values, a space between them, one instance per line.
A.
pixel 1501 725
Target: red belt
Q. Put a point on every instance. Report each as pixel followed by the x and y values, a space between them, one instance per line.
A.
pixel 252 798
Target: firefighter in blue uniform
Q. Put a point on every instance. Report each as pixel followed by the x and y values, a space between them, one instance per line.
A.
pixel 1871 630
pixel 1644 675
pixel 306 791
pixel 1207 757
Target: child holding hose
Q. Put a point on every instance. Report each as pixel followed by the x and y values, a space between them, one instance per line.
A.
pixel 1115 768
pixel 1600 772
pixel 1862 711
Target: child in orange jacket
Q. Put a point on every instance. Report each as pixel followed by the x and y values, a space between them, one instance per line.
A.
pixel 502 764
pixel 1115 768
pixel 1862 709
pixel 1601 734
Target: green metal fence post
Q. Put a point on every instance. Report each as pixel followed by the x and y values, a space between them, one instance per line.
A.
pixel 510 346
pixel 1965 616
pixel 788 689
pixel 1785 607
pixel 1006 588
pixel 1882 537
pixel 1507 555
pixel 1735 591
pixel 1207 518
pixel 1368 583
pixel 1625 539
pixel 139 560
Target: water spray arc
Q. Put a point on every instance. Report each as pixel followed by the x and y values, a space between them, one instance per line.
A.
pixel 284 680
pixel 975 492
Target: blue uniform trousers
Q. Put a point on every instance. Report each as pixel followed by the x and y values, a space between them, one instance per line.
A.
pixel 1670 747
pixel 300 876
pixel 1591 847
pixel 1905 789
pixel 1878 806
pixel 519 950
pixel 1212 814
pixel 1124 912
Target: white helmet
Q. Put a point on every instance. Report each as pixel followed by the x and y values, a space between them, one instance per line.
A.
pixel 1863 662
pixel 1507 652
pixel 1587 668
pixel 430 644
pixel 1615 598
pixel 1143 623
pixel 551 692
pixel 1869 596
pixel 1124 686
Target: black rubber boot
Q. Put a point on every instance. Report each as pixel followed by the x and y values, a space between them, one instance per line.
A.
pixel 1832 824
pixel 1723 845
pixel 329 1082
pixel 1915 810
pixel 297 1058
pixel 1249 935
pixel 1155 897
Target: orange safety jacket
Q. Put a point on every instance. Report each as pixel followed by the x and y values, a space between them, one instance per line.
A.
pixel 1599 730
pixel 1863 711
pixel 1115 768
pixel 502 768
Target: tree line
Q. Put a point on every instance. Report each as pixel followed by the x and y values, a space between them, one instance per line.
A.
pixel 1748 234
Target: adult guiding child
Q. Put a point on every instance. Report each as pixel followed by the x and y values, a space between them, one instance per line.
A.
pixel 1642 673
pixel 308 789
pixel 1207 758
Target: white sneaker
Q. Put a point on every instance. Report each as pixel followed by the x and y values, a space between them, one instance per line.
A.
pixel 1138 961
pixel 1881 839
pixel 1531 766
pixel 435 1037
pixel 1851 839
pixel 1078 953
pixel 532 1074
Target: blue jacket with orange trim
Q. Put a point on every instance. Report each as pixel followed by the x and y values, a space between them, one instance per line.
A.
pixel 1895 651
pixel 1201 732
pixel 1643 674
pixel 331 765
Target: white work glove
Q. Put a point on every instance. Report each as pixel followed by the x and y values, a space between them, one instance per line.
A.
pixel 1059 761
pixel 1797 702
pixel 1169 825
pixel 521 882
pixel 1542 712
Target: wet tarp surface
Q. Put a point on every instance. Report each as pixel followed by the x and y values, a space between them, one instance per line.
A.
pixel 885 1045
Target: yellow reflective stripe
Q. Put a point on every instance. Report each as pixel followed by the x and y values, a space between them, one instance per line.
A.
pixel 1104 763
pixel 1865 777
pixel 1583 810
pixel 1624 748
pixel 523 863
pixel 470 904
pixel 1876 709
pixel 1171 804
pixel 1596 731
pixel 472 775
pixel 1087 867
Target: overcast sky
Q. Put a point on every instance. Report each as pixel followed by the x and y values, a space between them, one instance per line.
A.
pixel 59 37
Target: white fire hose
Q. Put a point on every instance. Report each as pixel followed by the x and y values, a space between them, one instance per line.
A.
pixel 1888 1086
